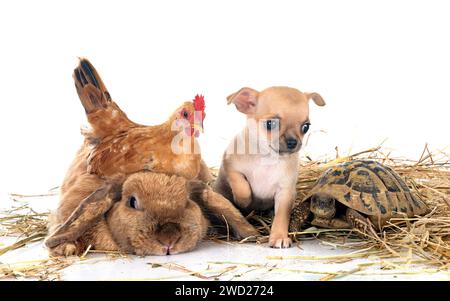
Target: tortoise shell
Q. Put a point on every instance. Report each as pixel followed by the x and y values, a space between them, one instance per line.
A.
pixel 370 188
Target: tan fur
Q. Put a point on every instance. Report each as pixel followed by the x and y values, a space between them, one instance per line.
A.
pixel 166 222
pixel 261 181
pixel 221 207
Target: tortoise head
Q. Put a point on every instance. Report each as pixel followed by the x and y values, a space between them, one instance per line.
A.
pixel 323 206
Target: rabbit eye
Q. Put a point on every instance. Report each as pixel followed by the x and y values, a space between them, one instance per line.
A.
pixel 132 202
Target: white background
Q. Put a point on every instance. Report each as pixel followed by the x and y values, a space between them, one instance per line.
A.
pixel 383 68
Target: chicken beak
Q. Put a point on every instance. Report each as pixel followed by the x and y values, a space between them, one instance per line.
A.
pixel 197 129
pixel 198 121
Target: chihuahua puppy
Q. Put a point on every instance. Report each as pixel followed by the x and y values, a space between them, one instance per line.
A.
pixel 260 166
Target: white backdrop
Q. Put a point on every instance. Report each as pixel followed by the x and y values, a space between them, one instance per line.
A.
pixel 382 66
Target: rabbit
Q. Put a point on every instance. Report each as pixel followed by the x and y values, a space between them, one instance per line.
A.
pixel 148 214
pixel 84 218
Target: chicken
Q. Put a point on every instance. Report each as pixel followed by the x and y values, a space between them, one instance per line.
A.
pixel 121 146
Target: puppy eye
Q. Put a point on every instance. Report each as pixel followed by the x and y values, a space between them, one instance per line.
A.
pixel 132 202
pixel 305 127
pixel 271 124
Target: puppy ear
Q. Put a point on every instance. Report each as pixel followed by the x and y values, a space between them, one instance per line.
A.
pixel 90 210
pixel 318 100
pixel 246 100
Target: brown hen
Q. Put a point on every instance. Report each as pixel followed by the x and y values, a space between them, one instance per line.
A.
pixel 121 146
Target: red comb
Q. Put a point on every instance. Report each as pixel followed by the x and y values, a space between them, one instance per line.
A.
pixel 199 103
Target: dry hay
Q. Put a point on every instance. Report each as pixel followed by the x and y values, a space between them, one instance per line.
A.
pixel 427 237
pixel 23 222
pixel 44 269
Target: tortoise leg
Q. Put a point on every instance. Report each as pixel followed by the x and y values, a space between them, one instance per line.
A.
pixel 359 222
pixel 334 223
pixel 299 214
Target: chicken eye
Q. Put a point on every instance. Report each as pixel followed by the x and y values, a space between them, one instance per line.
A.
pixel 132 202
pixel 185 114
pixel 305 127
pixel 271 124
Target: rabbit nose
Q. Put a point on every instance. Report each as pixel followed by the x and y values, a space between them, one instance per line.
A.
pixel 168 235
pixel 170 247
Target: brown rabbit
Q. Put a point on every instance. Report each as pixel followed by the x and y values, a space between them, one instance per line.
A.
pixel 149 214
pixel 85 213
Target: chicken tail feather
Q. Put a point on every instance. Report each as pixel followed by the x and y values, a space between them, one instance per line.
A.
pixel 102 112
pixel 90 87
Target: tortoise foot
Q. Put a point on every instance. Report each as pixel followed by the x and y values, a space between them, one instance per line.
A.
pixel 359 222
pixel 334 223
pixel 299 215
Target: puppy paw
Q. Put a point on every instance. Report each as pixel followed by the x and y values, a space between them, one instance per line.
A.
pixel 279 240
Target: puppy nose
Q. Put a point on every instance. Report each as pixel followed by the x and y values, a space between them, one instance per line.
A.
pixel 291 143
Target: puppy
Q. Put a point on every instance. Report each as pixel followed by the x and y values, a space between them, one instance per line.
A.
pixel 260 166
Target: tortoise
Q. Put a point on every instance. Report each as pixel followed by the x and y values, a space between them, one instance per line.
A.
pixel 357 195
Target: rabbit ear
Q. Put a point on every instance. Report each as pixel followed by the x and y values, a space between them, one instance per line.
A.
pixel 217 204
pixel 196 190
pixel 90 210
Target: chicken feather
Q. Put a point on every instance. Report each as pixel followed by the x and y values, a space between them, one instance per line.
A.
pixel 123 146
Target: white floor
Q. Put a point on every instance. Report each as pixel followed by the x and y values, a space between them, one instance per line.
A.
pixel 223 261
